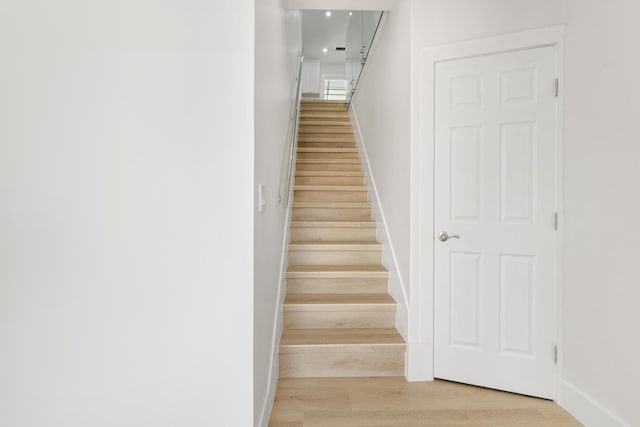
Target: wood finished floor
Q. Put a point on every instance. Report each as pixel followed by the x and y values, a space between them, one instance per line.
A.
pixel 392 402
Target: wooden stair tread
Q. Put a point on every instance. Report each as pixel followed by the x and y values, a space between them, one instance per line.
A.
pixel 322 130
pixel 320 300
pixel 315 122
pixel 324 138
pixel 322 108
pixel 342 113
pixel 334 224
pixel 323 101
pixel 348 161
pixel 373 271
pixel 332 205
pixel 331 173
pixel 309 338
pixel 327 150
pixel 335 246
pixel 305 187
pixel 337 268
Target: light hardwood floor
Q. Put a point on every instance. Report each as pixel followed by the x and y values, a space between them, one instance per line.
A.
pixel 392 402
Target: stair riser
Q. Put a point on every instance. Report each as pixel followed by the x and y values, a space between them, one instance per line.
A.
pixel 336 286
pixel 323 109
pixel 312 123
pixel 335 257
pixel 338 319
pixel 337 135
pixel 325 138
pixel 332 214
pixel 322 234
pixel 328 155
pixel 329 196
pixel 344 167
pixel 303 144
pixel 343 364
pixel 325 121
pixel 329 180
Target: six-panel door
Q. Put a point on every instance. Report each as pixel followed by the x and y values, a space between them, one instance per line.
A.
pixel 495 187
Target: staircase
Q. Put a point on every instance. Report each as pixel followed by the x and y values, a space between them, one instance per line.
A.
pixel 339 320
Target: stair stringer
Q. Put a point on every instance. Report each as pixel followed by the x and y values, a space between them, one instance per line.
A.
pixel 274 366
pixel 389 259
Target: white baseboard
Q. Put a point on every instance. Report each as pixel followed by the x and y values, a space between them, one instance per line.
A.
pixel 269 398
pixel 389 259
pixel 419 362
pixel 585 408
pixel 274 372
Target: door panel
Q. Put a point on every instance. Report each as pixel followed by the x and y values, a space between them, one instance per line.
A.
pixel 495 133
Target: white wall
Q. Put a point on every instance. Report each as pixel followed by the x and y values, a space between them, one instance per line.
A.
pixel 382 109
pixel 332 69
pixel 126 192
pixel 602 207
pixel 311 76
pixel 314 72
pixel 278 45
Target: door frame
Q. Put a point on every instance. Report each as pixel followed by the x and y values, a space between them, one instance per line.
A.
pixel 420 352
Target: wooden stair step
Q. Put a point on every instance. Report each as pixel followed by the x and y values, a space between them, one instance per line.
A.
pixel 331 211
pixel 351 144
pixel 335 246
pixel 332 205
pixel 343 115
pixel 314 122
pixel 322 109
pixel 328 139
pixel 330 188
pixel 304 340
pixel 335 253
pixel 330 173
pixel 322 311
pixel 339 106
pixel 319 130
pixel 326 150
pixel 329 164
pixel 329 177
pixel 325 161
pixel 337 272
pixel 347 153
pixel 336 285
pixel 330 193
pixel 334 224
pixel 339 302
pixel 341 352
pixel 323 101
pixel 329 119
pixel 310 231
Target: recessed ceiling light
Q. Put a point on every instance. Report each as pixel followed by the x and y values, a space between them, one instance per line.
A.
pixel 350 13
pixel 328 13
pixel 324 49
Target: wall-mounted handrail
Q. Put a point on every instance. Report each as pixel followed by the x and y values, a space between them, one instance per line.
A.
pixel 365 57
pixel 286 178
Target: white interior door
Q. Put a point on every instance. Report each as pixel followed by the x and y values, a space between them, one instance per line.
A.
pixel 495 188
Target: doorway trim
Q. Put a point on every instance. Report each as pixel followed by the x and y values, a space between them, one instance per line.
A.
pixel 420 352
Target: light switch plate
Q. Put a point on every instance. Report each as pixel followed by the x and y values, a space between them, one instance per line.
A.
pixel 262 202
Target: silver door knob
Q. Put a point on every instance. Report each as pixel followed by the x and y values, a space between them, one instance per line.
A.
pixel 443 236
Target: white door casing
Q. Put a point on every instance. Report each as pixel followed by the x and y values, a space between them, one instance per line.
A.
pixel 496 119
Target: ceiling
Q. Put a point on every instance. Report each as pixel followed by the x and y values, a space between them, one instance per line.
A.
pixel 320 31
